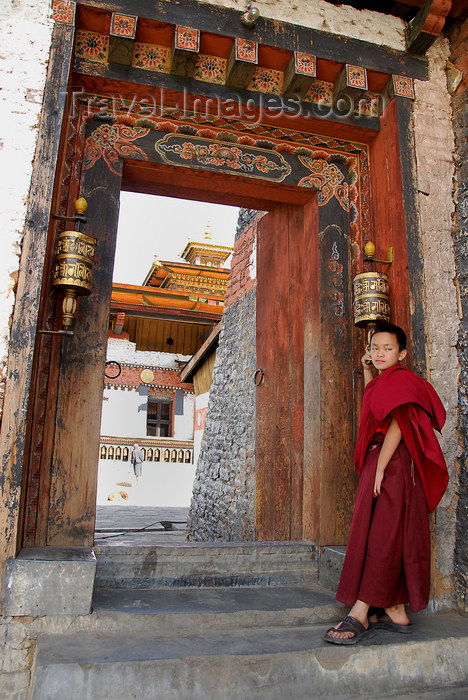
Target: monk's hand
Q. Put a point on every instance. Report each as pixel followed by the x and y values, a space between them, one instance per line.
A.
pixel 379 475
pixel 366 360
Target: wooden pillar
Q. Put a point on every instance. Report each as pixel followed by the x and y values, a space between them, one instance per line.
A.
pixel 25 319
pixel 328 368
pixel 78 411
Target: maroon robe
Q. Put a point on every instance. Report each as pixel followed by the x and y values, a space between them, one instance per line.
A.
pixel 388 554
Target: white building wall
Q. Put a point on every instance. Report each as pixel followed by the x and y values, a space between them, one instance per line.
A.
pixel 25 36
pixel 123 413
pixel 123 350
pixel 336 19
pixel 183 424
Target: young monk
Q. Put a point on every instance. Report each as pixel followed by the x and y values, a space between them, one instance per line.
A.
pixel 402 476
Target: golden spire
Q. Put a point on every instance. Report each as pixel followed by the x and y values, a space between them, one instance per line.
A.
pixel 208 232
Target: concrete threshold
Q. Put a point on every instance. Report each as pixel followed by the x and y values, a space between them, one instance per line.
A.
pixel 170 609
pixel 206 564
pixel 268 663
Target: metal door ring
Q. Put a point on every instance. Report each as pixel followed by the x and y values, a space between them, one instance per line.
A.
pixel 258 376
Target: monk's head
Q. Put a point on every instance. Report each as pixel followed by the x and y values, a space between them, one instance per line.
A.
pixel 387 346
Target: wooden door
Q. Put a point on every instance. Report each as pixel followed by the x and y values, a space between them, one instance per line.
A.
pixel 283 278
pixel 304 465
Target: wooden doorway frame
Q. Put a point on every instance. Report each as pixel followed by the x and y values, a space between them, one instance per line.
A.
pixel 79 520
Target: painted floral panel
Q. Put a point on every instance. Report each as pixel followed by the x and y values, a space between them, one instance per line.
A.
pixel 92 46
pixel 356 77
pixel 246 51
pixel 368 105
pixel 305 64
pixel 63 12
pixel 123 25
pixel 320 93
pixel 151 57
pixel 211 69
pixel 187 39
pixel 403 86
pixel 267 80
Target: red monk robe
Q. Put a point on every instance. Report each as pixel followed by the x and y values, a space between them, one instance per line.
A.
pixel 388 554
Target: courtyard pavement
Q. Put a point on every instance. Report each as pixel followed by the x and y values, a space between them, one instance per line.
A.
pixel 135 525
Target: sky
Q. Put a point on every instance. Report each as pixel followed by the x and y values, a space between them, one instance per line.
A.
pixel 151 225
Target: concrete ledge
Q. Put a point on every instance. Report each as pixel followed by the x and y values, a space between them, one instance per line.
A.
pixel 50 581
pixel 207 564
pixel 265 663
pixel 330 565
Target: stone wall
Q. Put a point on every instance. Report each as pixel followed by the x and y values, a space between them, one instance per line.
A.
pixel 459 57
pixel 25 34
pixel 433 116
pixel 224 487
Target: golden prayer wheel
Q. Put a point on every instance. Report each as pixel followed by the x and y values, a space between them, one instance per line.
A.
pixel 73 266
pixel 371 298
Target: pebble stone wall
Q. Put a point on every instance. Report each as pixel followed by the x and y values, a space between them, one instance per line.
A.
pixel 224 486
pixel 459 57
pixel 435 167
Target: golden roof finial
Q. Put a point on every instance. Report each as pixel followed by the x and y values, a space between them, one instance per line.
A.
pixel 208 232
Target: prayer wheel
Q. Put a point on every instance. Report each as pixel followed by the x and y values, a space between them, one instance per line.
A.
pixel 74 262
pixel 73 268
pixel 371 299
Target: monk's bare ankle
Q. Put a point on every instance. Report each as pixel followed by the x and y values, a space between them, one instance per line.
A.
pixel 397 613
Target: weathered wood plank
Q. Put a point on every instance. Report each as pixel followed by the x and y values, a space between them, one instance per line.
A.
pixel 284 35
pixel 265 457
pixel 312 374
pixel 297 292
pixel 389 220
pixel 402 108
pixel 25 318
pixel 280 449
pixel 336 465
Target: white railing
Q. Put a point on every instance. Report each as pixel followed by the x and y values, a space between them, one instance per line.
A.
pixel 154 449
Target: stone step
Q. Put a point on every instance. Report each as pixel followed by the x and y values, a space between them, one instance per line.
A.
pixel 196 609
pixel 269 663
pixel 206 564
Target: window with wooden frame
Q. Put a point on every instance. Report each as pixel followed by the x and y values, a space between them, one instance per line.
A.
pixel 159 417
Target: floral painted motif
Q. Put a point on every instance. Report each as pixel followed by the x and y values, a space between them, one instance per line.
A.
pixel 151 57
pixel 305 64
pixel 187 39
pixel 368 105
pixel 224 157
pixel 211 69
pixel 112 141
pixel 123 25
pixel 246 50
pixel 328 179
pixel 320 92
pixel 335 293
pixel 92 46
pixel 63 12
pixel 356 77
pixel 403 86
pixel 266 80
